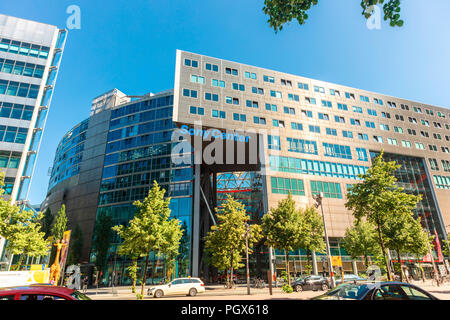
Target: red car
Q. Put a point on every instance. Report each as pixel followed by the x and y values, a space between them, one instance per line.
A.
pixel 41 292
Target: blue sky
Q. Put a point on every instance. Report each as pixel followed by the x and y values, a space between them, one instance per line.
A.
pixel 130 45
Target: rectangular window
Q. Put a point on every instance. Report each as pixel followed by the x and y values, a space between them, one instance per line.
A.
pixel 269 79
pixel 406 144
pixel 212 67
pixel 218 83
pixel 293 97
pixel 331 132
pixel 250 75
pixel 218 114
pixel 342 107
pixel 328 189
pixel 274 142
pixel 296 126
pixel 287 185
pixel 327 104
pixel 372 112
pixel 303 86
pixel 362 154
pixel 302 146
pixel 347 134
pixel 314 129
pixel 275 94
pixel 271 107
pixel 337 151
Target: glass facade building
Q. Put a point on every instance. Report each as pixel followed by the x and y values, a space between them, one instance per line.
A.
pixel 114 157
pixel 30 57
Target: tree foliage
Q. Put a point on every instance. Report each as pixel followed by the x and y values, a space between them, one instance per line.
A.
pixel 282 227
pixel 60 224
pixel 47 222
pixel 281 12
pixel 102 240
pixel 151 229
pixel 361 240
pixel 21 228
pixel 76 247
pixel 312 232
pixel 226 241
pixel 378 199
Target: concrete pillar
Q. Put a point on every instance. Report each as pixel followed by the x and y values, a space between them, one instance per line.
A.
pixel 354 267
pixel 314 263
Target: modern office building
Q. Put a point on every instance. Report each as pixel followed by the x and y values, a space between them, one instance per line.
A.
pixel 257 134
pixel 30 56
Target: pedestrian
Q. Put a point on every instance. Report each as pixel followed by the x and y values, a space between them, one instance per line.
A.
pixel 85 284
pixel 407 274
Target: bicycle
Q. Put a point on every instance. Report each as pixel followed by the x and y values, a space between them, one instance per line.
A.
pixel 230 285
pixel 439 280
pixel 259 284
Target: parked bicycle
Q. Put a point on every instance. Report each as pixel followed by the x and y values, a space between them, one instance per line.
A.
pixel 259 284
pixel 439 280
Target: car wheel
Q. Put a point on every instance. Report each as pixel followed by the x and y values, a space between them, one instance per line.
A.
pixel 324 287
pixel 192 292
pixel 298 288
pixel 159 294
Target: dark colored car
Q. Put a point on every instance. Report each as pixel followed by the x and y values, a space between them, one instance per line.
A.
pixel 376 291
pixel 41 292
pixel 350 278
pixel 310 283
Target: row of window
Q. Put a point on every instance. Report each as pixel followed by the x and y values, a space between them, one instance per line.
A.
pixel 13 134
pixel 142 106
pixel 24 48
pixel 296 187
pixel 21 68
pixel 442 182
pixel 19 89
pixel 315 167
pixel 9 159
pixel 16 111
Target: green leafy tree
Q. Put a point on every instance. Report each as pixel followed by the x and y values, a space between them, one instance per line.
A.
pixel 21 228
pixel 378 197
pixel 361 240
pixel 312 232
pixel 445 245
pixel 225 243
pixel 47 222
pixel 25 237
pixel 76 248
pixel 282 227
pixel 419 242
pixel 60 224
pixel 173 233
pixel 101 241
pixel 151 229
pixel 281 12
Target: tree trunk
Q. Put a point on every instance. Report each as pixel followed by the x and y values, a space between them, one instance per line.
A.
pixel 308 258
pixel 401 266
pixel 145 275
pixel 366 261
pixel 231 270
pixel 287 267
pixel 133 278
pixel 388 268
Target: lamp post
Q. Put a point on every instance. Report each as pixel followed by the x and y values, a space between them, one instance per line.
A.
pixel 318 198
pixel 247 231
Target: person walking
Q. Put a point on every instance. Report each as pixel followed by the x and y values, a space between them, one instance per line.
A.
pixel 85 284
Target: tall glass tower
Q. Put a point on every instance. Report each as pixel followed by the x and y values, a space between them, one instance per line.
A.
pixel 30 56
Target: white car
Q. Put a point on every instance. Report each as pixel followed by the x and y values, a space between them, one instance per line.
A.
pixel 185 286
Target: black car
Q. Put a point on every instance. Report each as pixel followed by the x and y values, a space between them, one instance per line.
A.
pixel 392 290
pixel 310 283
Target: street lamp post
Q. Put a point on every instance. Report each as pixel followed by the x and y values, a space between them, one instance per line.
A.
pixel 247 230
pixel 318 198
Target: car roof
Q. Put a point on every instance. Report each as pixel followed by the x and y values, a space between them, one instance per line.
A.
pixel 38 289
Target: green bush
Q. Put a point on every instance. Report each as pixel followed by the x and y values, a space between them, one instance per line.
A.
pixel 287 288
pixel 139 296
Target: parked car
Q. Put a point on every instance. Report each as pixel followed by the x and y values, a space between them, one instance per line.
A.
pixel 377 291
pixel 350 278
pixel 41 292
pixel 179 286
pixel 310 283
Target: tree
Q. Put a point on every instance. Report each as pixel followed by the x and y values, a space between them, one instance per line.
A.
pixel 76 248
pixel 47 222
pixel 419 243
pixel 60 225
pixel 361 240
pixel 377 197
pixel 282 227
pixel 281 12
pixel 173 233
pixel 21 228
pixel 102 240
pixel 151 230
pixel 226 241
pixel 25 238
pixel 312 232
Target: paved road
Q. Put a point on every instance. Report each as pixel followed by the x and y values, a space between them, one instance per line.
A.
pixel 217 292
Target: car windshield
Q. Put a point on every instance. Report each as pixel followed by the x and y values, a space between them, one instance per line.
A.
pixel 349 291
pixel 79 296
